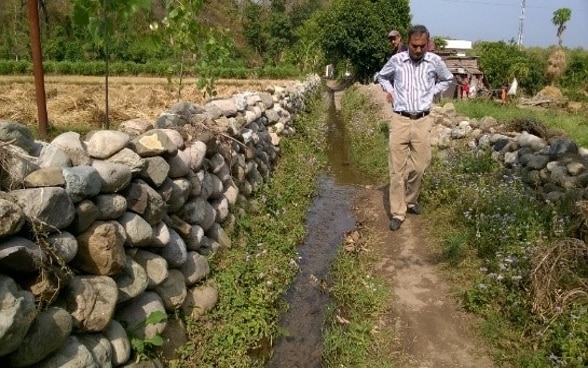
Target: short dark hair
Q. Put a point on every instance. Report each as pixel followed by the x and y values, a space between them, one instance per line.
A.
pixel 418 29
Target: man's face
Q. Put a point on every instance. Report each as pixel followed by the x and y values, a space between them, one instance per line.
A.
pixel 395 41
pixel 417 46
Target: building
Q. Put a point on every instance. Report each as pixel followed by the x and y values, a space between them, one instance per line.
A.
pixel 464 67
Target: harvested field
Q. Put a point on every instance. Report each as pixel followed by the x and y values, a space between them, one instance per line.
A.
pixel 74 102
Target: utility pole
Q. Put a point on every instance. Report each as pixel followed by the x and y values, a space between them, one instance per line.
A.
pixel 521 24
pixel 33 13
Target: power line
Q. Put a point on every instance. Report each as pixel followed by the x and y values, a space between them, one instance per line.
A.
pixel 508 5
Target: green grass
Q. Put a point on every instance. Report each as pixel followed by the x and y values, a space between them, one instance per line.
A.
pixel 253 276
pixel 576 125
pixel 368 135
pixel 353 336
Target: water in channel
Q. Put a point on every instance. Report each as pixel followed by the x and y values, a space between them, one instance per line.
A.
pixel 328 218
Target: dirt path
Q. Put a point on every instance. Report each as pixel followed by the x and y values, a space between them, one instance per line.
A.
pixel 432 330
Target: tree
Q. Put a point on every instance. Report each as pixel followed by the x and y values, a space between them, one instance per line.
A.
pixel 560 18
pixel 354 31
pixel 501 62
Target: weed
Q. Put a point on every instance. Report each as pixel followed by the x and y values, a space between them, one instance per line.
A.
pixel 144 348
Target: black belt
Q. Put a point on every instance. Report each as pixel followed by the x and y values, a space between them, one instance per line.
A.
pixel 413 115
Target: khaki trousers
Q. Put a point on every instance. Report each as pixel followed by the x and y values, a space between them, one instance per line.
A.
pixel 409 154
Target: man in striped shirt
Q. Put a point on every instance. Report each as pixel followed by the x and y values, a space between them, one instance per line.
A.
pixel 411 79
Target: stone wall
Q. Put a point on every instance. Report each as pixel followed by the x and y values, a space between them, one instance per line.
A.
pixel 99 232
pixel 546 159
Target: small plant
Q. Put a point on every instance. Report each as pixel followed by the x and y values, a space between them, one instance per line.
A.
pixel 144 347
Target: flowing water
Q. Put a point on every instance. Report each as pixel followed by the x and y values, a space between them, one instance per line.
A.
pixel 329 217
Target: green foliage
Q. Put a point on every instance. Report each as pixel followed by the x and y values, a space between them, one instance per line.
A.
pixel 355 31
pixel 144 348
pixel 501 62
pixel 105 17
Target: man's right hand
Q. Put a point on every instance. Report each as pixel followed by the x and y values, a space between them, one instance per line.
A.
pixel 389 97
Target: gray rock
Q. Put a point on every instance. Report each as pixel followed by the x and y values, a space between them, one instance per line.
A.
pixel 99 347
pixel 198 211
pixel 218 234
pixel 20 164
pixel 18 254
pixel 153 143
pixel 121 346
pixel 534 162
pixel 129 158
pixel 17 312
pixel 221 208
pixel 178 167
pixel 561 148
pixel 114 177
pixel 175 137
pixel 81 182
pixel 146 201
pixel 11 217
pixel 110 206
pixel 194 239
pixel 180 192
pixel 133 314
pixel 45 177
pixel 52 156
pixel 105 143
pixel 47 334
pixel 175 253
pixel 18 134
pixel 172 291
pixel 154 265
pixel 529 140
pixel 161 235
pixel 196 153
pixel 64 245
pixel 132 281
pixel 91 301
pixel 199 301
pixel 86 214
pixel 228 107
pixel 71 143
pixel 155 171
pixel 136 127
pixel 195 269
pixel 139 232
pixel 101 249
pixel 72 354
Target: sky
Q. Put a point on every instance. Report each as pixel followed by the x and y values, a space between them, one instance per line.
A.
pixel 498 20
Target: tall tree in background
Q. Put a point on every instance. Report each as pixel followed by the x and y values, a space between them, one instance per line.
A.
pixel 355 32
pixel 560 18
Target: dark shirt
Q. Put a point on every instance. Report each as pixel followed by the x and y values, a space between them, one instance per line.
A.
pixel 400 48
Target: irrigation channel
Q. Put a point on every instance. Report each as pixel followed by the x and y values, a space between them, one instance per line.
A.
pixel 328 218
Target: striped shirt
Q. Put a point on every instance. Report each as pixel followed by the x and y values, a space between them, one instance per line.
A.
pixel 414 84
